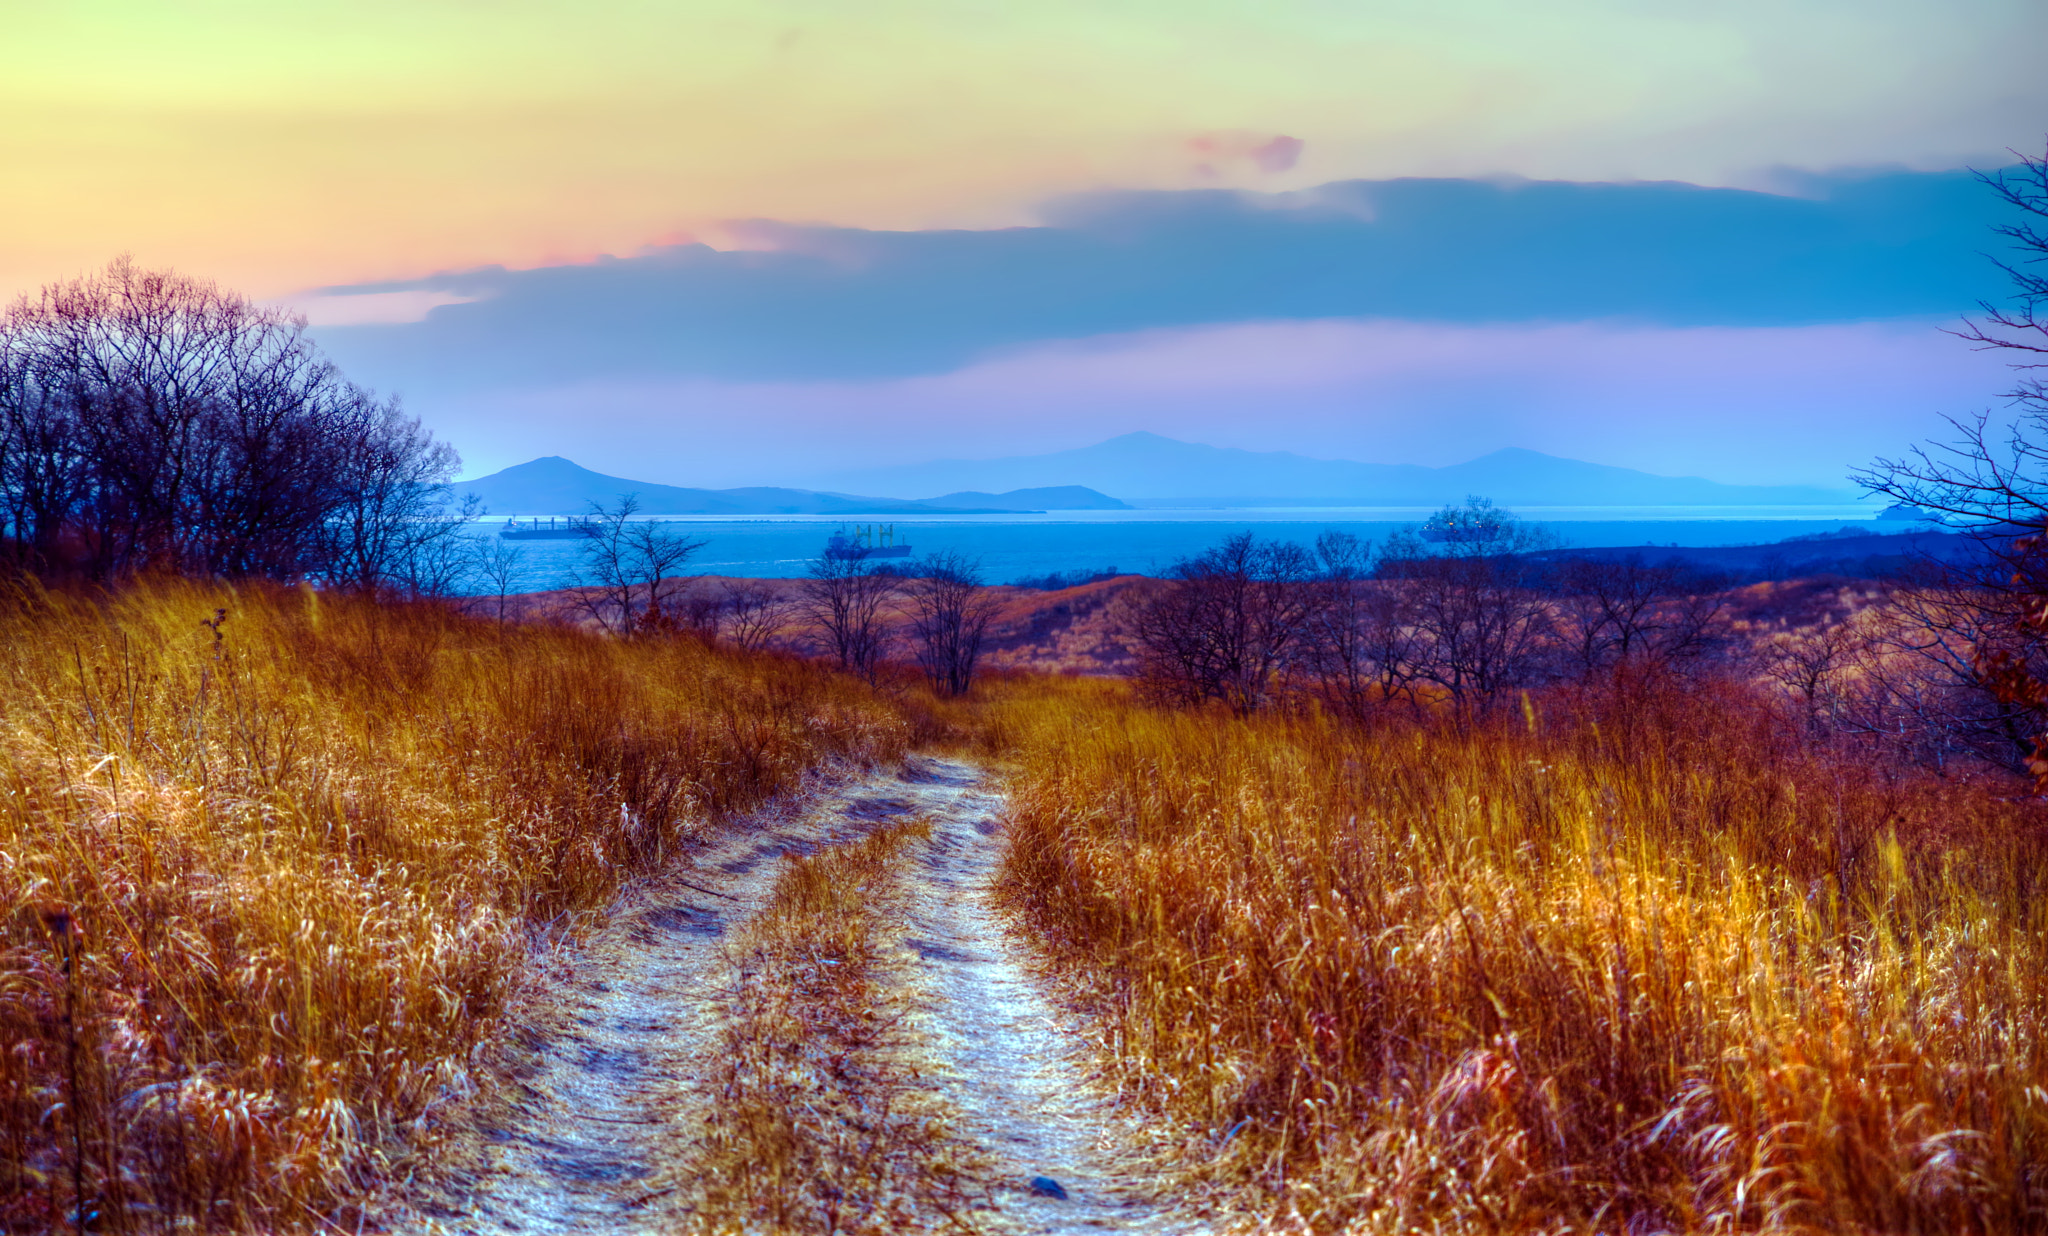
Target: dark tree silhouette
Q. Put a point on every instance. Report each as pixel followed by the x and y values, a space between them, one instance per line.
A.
pixel 1628 612
pixel 1226 624
pixel 497 564
pixel 950 613
pixel 1993 477
pixel 1363 649
pixel 631 570
pixel 392 525
pixel 757 612
pixel 843 596
pixel 150 421
pixel 1988 612
pixel 1479 620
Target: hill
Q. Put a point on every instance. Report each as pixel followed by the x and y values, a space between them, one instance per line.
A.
pixel 1153 470
pixel 1049 498
pixel 1851 553
pixel 553 485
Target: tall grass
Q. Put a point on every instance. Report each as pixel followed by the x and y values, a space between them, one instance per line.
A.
pixel 819 1126
pixel 271 862
pixel 1647 961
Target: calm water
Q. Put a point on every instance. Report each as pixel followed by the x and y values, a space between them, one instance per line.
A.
pixel 1013 547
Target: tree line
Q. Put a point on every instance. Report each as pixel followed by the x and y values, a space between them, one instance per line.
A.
pixel 1460 630
pixel 1250 622
pixel 154 422
pixel 849 606
pixel 844 596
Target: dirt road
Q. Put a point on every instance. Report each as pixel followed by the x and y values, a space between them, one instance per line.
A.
pixel 1015 1074
pixel 601 1115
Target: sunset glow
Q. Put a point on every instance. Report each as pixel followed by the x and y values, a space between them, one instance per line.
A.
pixel 281 148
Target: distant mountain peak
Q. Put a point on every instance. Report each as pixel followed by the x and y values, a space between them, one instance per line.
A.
pixel 553 485
pixel 1159 470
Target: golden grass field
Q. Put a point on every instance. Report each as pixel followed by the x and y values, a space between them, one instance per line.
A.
pixel 1643 960
pixel 1635 956
pixel 266 884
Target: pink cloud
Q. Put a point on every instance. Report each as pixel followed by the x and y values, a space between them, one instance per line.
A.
pixel 1278 155
pixel 1223 153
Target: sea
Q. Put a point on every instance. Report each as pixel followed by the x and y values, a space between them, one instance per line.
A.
pixel 1011 548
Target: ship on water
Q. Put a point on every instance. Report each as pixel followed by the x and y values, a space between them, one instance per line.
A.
pixel 866 541
pixel 565 529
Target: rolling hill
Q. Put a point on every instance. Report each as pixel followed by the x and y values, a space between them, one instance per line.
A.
pixel 1151 470
pixel 556 486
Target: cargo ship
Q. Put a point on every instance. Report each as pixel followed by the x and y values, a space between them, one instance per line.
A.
pixel 866 541
pixel 566 529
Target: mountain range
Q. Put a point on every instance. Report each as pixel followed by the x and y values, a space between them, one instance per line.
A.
pixel 1150 470
pixel 1147 470
pixel 556 486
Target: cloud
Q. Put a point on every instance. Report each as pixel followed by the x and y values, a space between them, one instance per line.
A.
pixel 372 308
pixel 1278 155
pixel 819 303
pixel 1218 155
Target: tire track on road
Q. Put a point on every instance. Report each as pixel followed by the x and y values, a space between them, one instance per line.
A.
pixel 597 1125
pixel 591 1111
pixel 1002 1051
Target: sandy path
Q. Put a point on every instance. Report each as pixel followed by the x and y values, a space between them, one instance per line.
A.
pixel 1004 1057
pixel 594 1112
pixel 609 1067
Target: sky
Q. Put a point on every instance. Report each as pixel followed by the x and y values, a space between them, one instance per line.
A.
pixel 723 243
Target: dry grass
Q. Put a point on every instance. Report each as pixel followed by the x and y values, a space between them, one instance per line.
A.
pixel 817 1126
pixel 1641 961
pixel 1648 957
pixel 266 884
pixel 1075 630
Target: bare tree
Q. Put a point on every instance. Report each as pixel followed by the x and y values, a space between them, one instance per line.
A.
pixel 44 474
pixel 394 525
pixel 201 416
pixel 1227 623
pixel 1927 671
pixel 842 600
pixel 605 577
pixel 1986 614
pixel 747 613
pixel 1484 628
pixel 950 613
pixel 1362 648
pixel 659 553
pixel 1812 665
pixel 1992 479
pixel 498 565
pixel 757 612
pixel 2021 325
pixel 152 421
pixel 702 609
pixel 1978 621
pixel 631 568
pixel 1482 622
pixel 1618 611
